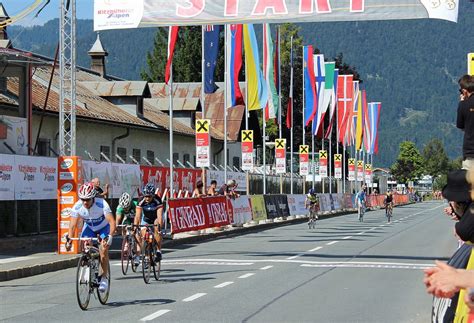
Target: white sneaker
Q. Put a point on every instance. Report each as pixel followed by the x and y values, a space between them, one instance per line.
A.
pixel 103 285
pixel 136 261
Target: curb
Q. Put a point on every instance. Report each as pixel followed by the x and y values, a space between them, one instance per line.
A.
pixel 115 254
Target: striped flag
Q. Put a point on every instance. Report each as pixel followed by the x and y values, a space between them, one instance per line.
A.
pixel 311 103
pixel 271 109
pixel 234 65
pixel 351 127
pixel 289 111
pixel 320 77
pixel 172 37
pixel 333 105
pixel 367 128
pixel 344 104
pixel 374 112
pixel 256 87
pixel 360 120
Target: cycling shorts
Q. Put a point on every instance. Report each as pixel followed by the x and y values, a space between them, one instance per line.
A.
pixel 87 232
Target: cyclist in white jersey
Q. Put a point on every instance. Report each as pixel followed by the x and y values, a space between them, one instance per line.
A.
pixel 98 221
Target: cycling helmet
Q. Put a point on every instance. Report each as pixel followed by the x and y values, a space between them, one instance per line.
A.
pixel 87 191
pixel 311 191
pixel 230 182
pixel 125 200
pixel 149 189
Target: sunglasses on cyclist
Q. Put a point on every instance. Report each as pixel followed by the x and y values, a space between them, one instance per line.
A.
pixel 86 200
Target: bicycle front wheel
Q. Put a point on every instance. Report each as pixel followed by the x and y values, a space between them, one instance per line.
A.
pixel 156 268
pixel 83 283
pixel 146 262
pixel 133 254
pixel 103 297
pixel 125 254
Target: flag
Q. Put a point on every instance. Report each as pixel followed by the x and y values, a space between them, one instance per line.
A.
pixel 344 105
pixel 211 52
pixel 319 73
pixel 367 126
pixel 374 111
pixel 172 37
pixel 271 109
pixel 329 68
pixel 352 121
pixel 256 87
pixel 311 102
pixel 333 106
pixel 376 142
pixel 360 120
pixel 234 65
pixel 289 110
pixel 276 61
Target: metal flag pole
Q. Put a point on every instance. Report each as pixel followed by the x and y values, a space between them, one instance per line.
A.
pixel 279 103
pixel 264 153
pixel 312 157
pixel 330 161
pixel 322 148
pixel 247 122
pixel 291 118
pixel 171 130
pixel 303 117
pixel 343 169
pixel 203 94
pixel 338 183
pixel 225 106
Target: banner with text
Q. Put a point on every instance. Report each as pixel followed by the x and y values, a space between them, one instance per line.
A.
pixel 338 166
pixel 323 163
pixel 203 150
pixel 351 167
pixel 257 203
pixel 360 170
pixel 280 156
pixel 296 204
pixel 7 177
pixel 368 173
pixel 218 175
pixel 36 178
pixel 276 206
pixel 242 211
pixel 247 149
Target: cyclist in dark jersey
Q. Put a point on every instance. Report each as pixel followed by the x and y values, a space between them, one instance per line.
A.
pixel 149 210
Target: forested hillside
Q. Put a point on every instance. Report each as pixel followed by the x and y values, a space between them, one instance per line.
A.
pixel 410 66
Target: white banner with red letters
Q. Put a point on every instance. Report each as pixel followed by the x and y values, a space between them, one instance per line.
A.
pixel 7 178
pixel 242 211
pixel 35 178
pixel 193 214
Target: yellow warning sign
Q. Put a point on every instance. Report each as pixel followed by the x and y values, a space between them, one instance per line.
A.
pixel 338 157
pixel 352 161
pixel 247 135
pixel 323 154
pixel 368 166
pixel 304 149
pixel 470 64
pixel 280 143
pixel 202 125
pixel 360 163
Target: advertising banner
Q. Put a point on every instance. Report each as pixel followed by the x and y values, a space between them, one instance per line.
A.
pixel 304 160
pixel 257 203
pixel 323 163
pixel 276 206
pixel 351 168
pixel 14 133
pixel 247 149
pixel 102 170
pixel 368 173
pixel 183 179
pixel 35 178
pixel 280 156
pixel 349 201
pixel 337 201
pixel 7 177
pixel 242 212
pixel 218 175
pixel 125 178
pixel 296 204
pixel 203 151
pixel 360 170
pixel 70 177
pixel 338 166
pixel 151 13
pixel 193 214
pixel 325 202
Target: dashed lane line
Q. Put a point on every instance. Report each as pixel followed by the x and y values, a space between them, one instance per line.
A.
pixel 154 315
pixel 346 238
pixel 194 297
pixel 224 284
pixel 331 243
pixel 246 275
pixel 315 249
pixel 266 267
pixel 295 256
pixel 368 265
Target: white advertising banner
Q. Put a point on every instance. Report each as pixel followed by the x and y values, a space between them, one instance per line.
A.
pixel 125 178
pixel 14 133
pixel 35 178
pixel 218 175
pixel 247 161
pixel 296 204
pixel 241 210
pixel 119 14
pixel 7 178
pixel 92 169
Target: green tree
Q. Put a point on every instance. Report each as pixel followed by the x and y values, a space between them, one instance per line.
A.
pixel 436 161
pixel 409 164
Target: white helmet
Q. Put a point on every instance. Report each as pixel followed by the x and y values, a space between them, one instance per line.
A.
pixel 124 200
pixel 87 191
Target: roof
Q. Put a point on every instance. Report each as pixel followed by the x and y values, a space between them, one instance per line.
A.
pixel 97 48
pixel 115 88
pixel 3 12
pixel 179 104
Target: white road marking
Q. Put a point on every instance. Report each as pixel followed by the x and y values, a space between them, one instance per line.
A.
pixel 193 297
pixel 205 262
pixel 315 249
pixel 266 267
pixel 373 229
pixel 361 233
pixel 154 315
pixel 247 275
pixel 381 225
pixel 223 284
pixel 296 256
pixel 331 243
pixel 369 265
pixel 348 237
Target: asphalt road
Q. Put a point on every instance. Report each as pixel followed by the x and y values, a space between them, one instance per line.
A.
pixel 342 271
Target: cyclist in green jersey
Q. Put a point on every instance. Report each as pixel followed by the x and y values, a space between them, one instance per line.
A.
pixel 125 212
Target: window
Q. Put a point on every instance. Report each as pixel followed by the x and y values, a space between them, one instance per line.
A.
pixel 137 155
pixel 43 147
pixel 175 157
pixel 186 159
pixel 104 150
pixel 122 152
pixel 150 155
pixel 236 162
pixel 194 157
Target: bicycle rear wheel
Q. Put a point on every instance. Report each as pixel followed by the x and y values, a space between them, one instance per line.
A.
pixel 133 254
pixel 156 266
pixel 103 297
pixel 146 262
pixel 125 255
pixel 83 283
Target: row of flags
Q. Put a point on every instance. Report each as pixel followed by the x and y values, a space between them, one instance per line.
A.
pixel 326 93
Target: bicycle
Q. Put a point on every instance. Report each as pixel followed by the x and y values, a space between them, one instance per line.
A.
pixel 313 216
pixel 361 210
pixel 129 249
pixel 149 247
pixel 389 211
pixel 87 274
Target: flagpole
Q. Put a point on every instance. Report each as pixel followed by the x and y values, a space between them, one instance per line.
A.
pixel 279 81
pixel 171 130
pixel 203 96
pixel 312 156
pixel 330 161
pixel 343 169
pixel 304 105
pixel 225 106
pixel 264 121
pixel 322 148
pixel 246 123
pixel 338 185
pixel 291 98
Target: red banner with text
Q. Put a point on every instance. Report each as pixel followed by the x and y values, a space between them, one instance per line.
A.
pixel 183 179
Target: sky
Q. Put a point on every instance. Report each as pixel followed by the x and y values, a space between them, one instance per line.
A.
pixel 13 7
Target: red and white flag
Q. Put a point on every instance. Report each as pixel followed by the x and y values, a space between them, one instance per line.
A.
pixel 344 105
pixel 172 37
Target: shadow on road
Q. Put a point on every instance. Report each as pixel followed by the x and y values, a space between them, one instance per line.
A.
pixel 156 301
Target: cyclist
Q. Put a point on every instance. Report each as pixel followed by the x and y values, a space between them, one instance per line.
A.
pixel 126 209
pixel 99 221
pixel 361 199
pixel 312 202
pixel 388 202
pixel 150 211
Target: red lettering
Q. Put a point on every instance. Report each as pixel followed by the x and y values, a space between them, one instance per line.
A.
pixel 192 8
pixel 231 8
pixel 357 5
pixel 322 6
pixel 277 6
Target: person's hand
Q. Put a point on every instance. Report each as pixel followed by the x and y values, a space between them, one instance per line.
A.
pixel 106 186
pixel 441 280
pixel 449 212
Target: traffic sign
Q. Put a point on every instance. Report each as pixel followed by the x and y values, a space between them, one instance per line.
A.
pixel 203 158
pixel 338 166
pixel 247 149
pixel 304 160
pixel 280 155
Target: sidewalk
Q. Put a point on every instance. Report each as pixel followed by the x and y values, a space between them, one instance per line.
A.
pixel 33 255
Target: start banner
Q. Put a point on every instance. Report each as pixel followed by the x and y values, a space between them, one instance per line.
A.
pixel 193 214
pixel 120 14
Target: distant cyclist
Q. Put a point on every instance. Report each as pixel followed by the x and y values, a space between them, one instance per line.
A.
pixel 361 202
pixel 99 221
pixel 388 202
pixel 312 203
pixel 125 214
pixel 150 211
